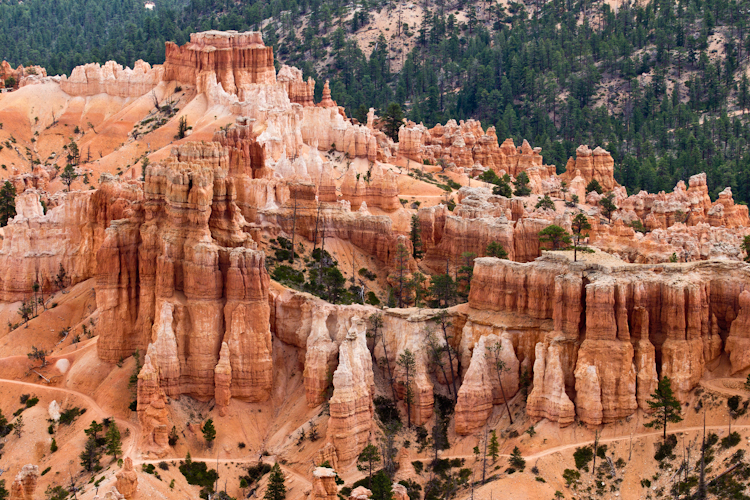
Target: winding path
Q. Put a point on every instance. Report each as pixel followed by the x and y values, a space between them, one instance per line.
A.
pixel 133 428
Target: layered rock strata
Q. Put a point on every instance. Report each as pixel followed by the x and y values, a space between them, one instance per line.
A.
pixel 127 479
pixel 615 329
pixel 351 408
pixel 112 79
pixel 200 283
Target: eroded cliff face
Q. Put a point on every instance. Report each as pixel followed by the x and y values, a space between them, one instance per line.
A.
pixel 614 329
pixel 186 279
pixel 70 234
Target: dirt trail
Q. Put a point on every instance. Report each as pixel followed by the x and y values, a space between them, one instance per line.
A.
pixel 717 385
pixel 133 428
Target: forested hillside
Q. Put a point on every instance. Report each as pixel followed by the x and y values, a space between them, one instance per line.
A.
pixel 662 85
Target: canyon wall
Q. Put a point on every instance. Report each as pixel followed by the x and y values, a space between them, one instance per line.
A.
pixel 185 280
pixel 614 330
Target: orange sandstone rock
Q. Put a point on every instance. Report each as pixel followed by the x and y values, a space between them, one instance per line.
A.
pixel 127 479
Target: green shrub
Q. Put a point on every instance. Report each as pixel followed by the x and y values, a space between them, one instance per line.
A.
pixel 665 448
pixel 69 415
pixel 571 476
pixel 731 440
pixel 372 299
pixel 583 456
pixel 198 474
pixel 288 274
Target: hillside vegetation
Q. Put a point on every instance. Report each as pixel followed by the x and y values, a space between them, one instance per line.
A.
pixel 661 85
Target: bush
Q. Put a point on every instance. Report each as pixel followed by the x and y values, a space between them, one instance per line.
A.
pixel 571 476
pixel 287 274
pixel 731 440
pixel 372 299
pixel 32 402
pixel 256 472
pixel 386 410
pixel 163 465
pixel 198 474
pixel 665 448
pixel 583 456
pixel 367 274
pixel 69 415
pixel 418 466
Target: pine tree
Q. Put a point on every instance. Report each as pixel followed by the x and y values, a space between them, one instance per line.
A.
pixel 114 442
pixel 594 185
pixel 522 185
pixel 400 278
pixel 407 361
pixel 466 272
pixel 494 447
pixel 516 459
pixel 393 119
pixel 495 249
pixel 666 406
pixel 382 488
pixel 579 225
pixel 276 489
pixel 608 206
pixel 500 368
pixel 443 290
pixel 209 433
pixel 68 175
pixel 182 128
pixel 555 236
pixel 7 203
pixel 90 455
pixel 416 237
pixel 369 457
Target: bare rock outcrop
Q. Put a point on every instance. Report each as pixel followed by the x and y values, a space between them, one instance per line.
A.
pixel 481 388
pixel 127 479
pixel 324 484
pixel 188 280
pixel 351 406
pixel 112 79
pixel 23 486
pixel 738 342
pixel 592 165
pixel 633 314
pixel 360 493
pixel 233 60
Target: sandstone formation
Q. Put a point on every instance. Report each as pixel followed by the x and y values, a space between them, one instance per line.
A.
pixel 299 91
pixel 592 165
pixel 351 406
pixel 20 74
pixel 481 388
pixel 112 494
pixel 35 244
pixel 112 79
pixel 127 479
pixel 233 60
pixel 360 493
pixel 379 190
pixel 200 283
pixel 324 484
pixel 24 484
pixel 679 312
pixel 738 342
